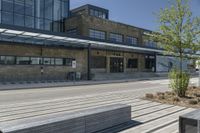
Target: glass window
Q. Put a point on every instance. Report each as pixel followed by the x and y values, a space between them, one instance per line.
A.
pixel 57 10
pixel 65 8
pixel 68 61
pixel 132 63
pixel 39 8
pixel 29 22
pixel 19 6
pixel 10 60
pixel 23 61
pixel 72 31
pixel 131 40
pixel 48 25
pixel 35 61
pixel 116 37
pixel 2 60
pixel 52 61
pixel 48 9
pixel 47 61
pixel 58 61
pixel 7 5
pixel 29 7
pixel 19 20
pixel 39 23
pixel 97 34
pixel 7 18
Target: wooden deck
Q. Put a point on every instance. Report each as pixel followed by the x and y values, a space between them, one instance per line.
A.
pixel 147 116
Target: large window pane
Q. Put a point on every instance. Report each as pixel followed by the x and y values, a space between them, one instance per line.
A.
pixel 29 7
pixel 48 25
pixel 116 37
pixel 29 22
pixel 131 40
pixel 58 61
pixel 132 63
pixel 39 23
pixel 36 61
pixel 7 18
pixel 57 10
pixel 23 61
pixel 97 34
pixel 2 60
pixel 7 5
pixel 65 8
pixel 19 20
pixel 49 9
pixel 10 60
pixel 39 8
pixel 19 6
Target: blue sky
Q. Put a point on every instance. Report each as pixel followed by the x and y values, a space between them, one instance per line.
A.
pixel 138 13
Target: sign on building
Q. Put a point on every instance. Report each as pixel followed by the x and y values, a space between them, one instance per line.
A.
pixel 73 64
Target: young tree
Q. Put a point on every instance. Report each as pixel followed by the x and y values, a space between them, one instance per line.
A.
pixel 178 34
pixel 178 31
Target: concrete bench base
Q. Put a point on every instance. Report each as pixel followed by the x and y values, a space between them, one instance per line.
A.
pixel 86 121
pixel 190 123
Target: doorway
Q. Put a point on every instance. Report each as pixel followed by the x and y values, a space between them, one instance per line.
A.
pixel 116 65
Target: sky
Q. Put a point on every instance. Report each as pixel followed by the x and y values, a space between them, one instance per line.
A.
pixel 139 13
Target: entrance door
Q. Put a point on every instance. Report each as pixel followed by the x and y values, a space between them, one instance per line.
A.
pixel 116 65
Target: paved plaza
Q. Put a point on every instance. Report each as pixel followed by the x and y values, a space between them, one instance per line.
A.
pixel 147 116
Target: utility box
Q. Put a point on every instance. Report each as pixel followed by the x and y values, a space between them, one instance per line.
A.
pixel 190 123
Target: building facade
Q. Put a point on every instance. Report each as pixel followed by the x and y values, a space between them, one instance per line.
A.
pixel 44 40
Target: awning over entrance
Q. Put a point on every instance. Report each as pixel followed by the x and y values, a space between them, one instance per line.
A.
pixel 38 37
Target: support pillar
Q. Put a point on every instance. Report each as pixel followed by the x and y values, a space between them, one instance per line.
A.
pixel 89 63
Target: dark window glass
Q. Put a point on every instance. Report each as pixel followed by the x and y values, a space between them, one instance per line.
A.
pixel 2 60
pixel 116 37
pixel 10 60
pixel 7 5
pixel 19 6
pixel 56 26
pixel 65 8
pixel 67 62
pixel 149 62
pixel 132 63
pixel 97 34
pixel 19 20
pixel 48 25
pixel 72 31
pixel 23 61
pixel 7 18
pixel 29 7
pixel 98 62
pixel 29 22
pixel 47 61
pixel 49 9
pixel 131 40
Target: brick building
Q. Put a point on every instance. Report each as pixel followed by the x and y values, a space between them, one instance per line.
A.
pixel 40 40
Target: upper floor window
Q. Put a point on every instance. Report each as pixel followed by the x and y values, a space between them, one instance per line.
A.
pixel 131 40
pixel 97 34
pixel 150 43
pixel 97 13
pixel 116 37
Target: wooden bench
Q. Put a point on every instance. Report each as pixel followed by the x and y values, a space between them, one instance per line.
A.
pixel 190 122
pixel 85 121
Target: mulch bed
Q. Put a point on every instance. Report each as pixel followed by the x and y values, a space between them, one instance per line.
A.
pixel 191 100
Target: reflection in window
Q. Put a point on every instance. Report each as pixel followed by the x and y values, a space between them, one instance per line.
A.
pixel 97 34
pixel 36 61
pixel 19 6
pixel 7 18
pixel 48 9
pixel 7 5
pixel 23 61
pixel 132 63
pixel 97 13
pixel 2 60
pixel 29 22
pixel 131 40
pixel 58 61
pixel 29 7
pixel 47 61
pixel 116 37
pixel 10 60
pixel 19 20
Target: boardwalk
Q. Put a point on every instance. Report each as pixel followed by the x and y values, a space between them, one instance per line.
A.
pixel 147 116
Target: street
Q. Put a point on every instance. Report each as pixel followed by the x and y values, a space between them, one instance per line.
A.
pixel 137 88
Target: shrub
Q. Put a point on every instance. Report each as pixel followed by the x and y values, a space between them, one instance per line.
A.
pixel 175 99
pixel 150 96
pixel 179 82
pixel 193 101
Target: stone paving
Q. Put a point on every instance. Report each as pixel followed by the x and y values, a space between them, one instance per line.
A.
pixel 147 116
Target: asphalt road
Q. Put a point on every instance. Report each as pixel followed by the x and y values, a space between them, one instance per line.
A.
pixel 138 88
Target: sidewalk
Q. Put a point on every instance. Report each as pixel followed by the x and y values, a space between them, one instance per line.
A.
pixel 32 85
